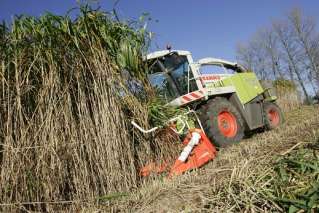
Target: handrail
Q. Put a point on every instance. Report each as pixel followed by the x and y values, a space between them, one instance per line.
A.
pixel 185 123
pixel 143 130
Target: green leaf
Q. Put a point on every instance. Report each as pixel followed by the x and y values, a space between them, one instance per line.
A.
pixel 292 209
pixel 283 174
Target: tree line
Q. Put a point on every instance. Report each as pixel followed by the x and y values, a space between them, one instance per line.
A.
pixel 286 49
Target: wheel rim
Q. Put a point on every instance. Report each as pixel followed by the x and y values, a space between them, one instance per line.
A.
pixel 227 124
pixel 273 117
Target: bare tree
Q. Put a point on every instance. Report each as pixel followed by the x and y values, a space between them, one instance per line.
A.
pixel 253 56
pixel 289 48
pixel 270 43
pixel 304 29
pixel 315 50
pixel 285 36
pixel 262 54
pixel 244 56
pixel 260 57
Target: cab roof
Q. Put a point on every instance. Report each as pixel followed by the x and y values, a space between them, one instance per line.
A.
pixel 203 61
pixel 162 53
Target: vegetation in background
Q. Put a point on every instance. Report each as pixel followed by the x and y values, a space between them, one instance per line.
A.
pixel 288 94
pixel 290 85
pixel 287 49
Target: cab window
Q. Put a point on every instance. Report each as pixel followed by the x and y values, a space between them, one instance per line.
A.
pixel 163 87
pixel 212 69
pixel 180 77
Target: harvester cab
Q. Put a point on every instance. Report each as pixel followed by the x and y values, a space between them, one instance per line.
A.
pixel 228 98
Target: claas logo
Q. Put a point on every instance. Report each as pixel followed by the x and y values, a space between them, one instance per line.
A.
pixel 210 78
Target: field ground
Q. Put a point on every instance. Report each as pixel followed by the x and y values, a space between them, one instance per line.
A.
pixel 243 177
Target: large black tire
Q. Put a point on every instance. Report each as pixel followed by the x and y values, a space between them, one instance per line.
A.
pixel 273 115
pixel 222 122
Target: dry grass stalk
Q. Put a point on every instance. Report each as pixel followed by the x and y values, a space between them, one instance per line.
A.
pixel 65 111
pixel 288 99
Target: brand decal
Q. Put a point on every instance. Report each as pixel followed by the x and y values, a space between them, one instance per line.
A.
pixel 210 78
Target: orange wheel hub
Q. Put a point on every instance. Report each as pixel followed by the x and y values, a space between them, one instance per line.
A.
pixel 273 117
pixel 227 124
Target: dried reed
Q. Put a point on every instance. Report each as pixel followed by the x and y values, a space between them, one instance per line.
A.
pixel 66 107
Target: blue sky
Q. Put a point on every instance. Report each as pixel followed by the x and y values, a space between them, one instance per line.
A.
pixel 206 28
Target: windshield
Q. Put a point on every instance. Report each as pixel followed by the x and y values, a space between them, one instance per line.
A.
pixel 177 68
pixel 171 73
pixel 161 83
pixel 180 77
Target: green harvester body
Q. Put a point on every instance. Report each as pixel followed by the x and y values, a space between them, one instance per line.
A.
pixel 181 82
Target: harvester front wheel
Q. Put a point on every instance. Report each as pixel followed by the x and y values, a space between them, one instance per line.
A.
pixel 273 115
pixel 222 122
